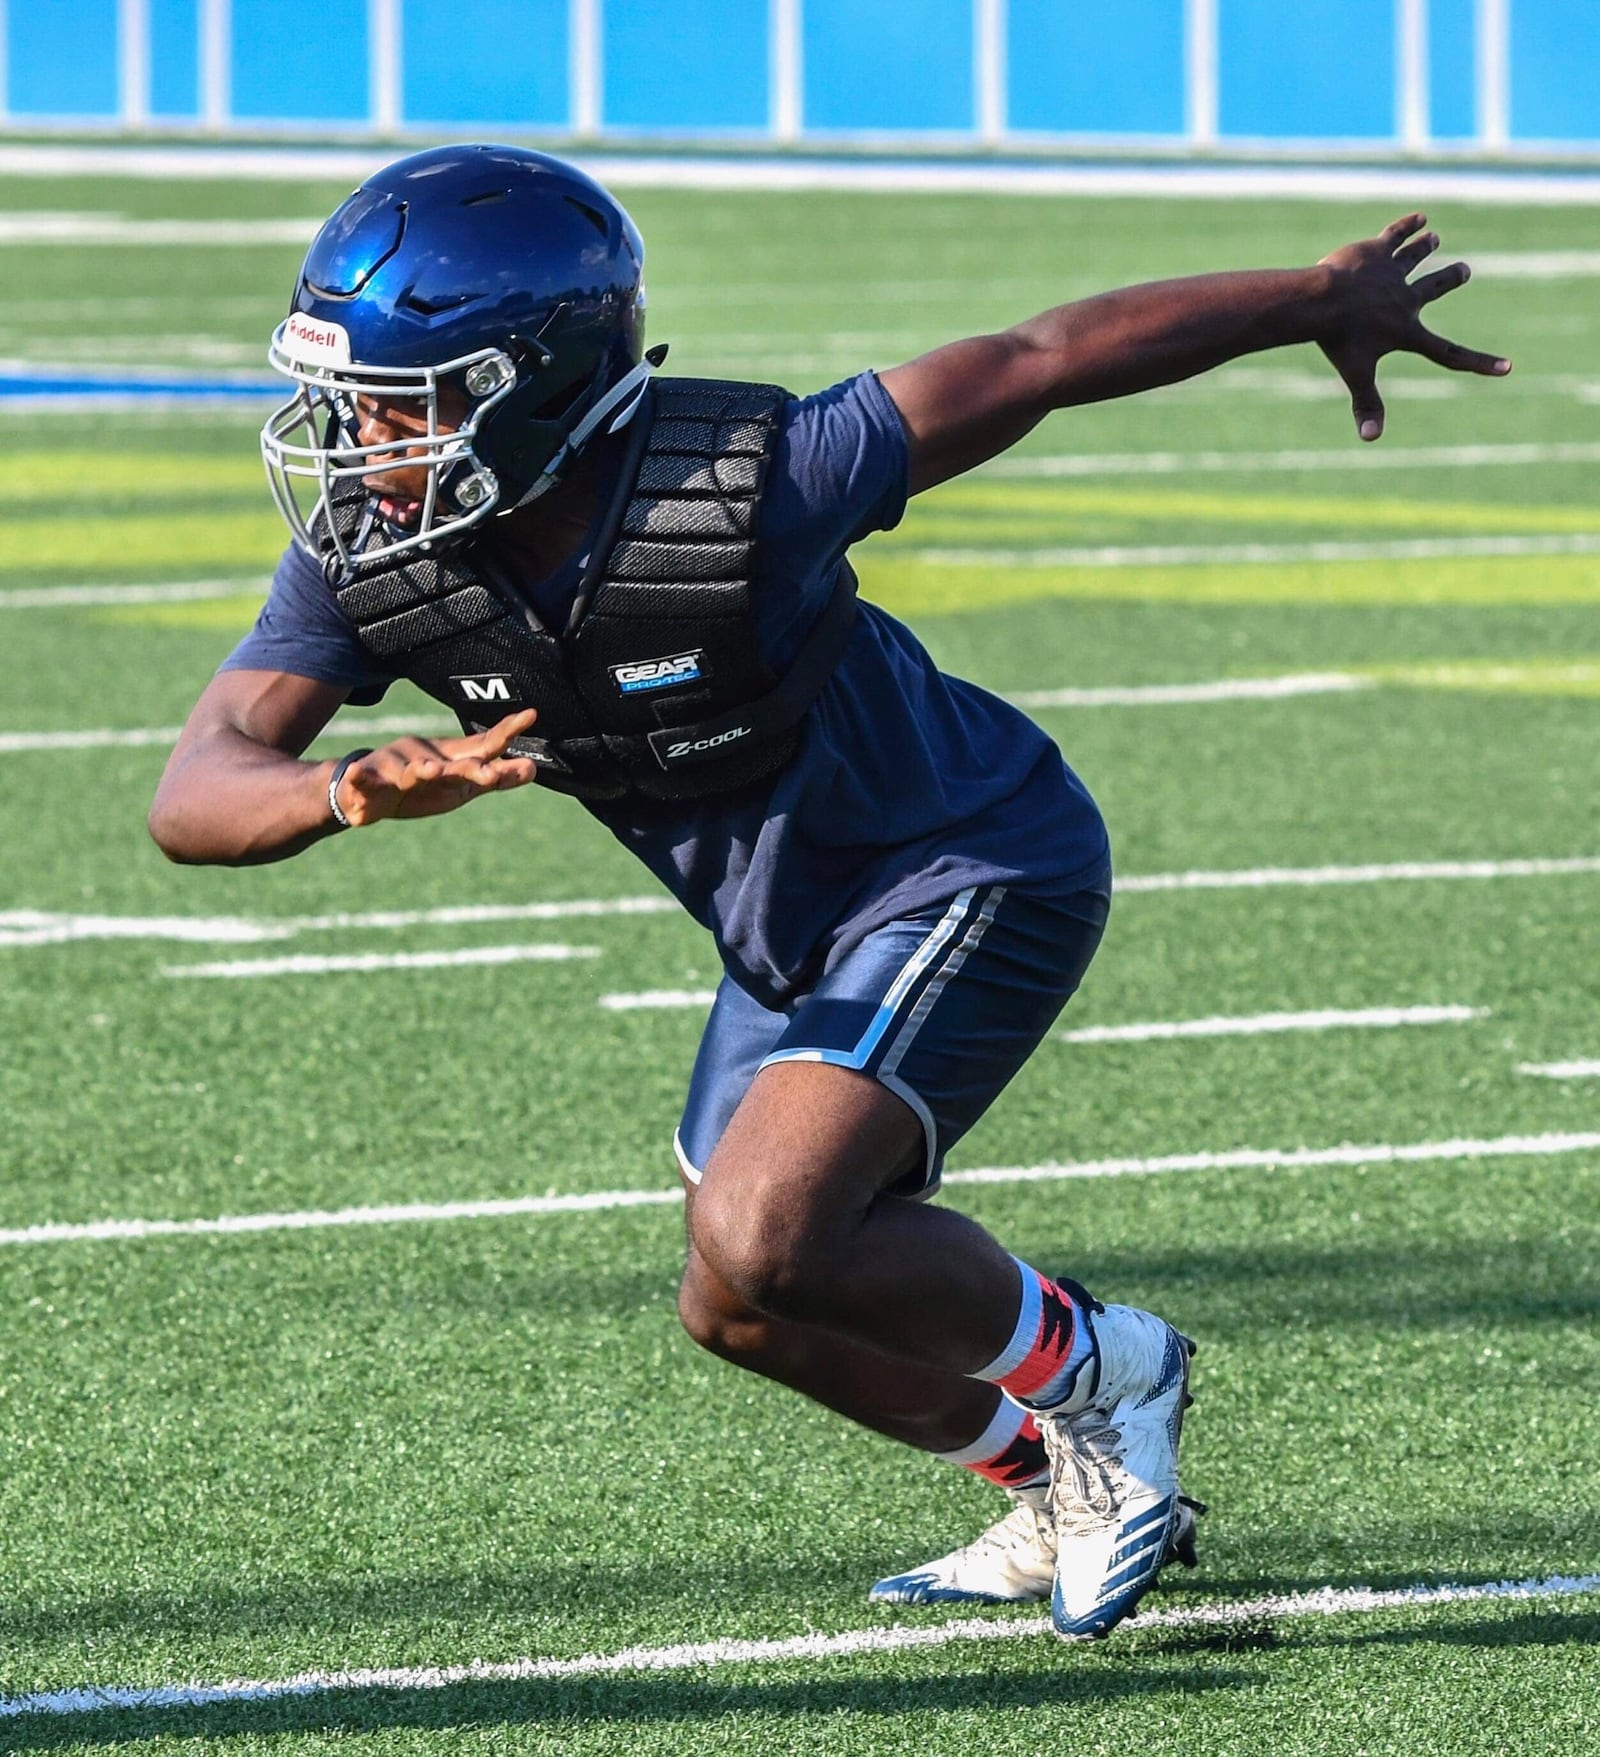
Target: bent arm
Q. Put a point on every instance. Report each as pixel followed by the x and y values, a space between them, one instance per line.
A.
pixel 235 791
pixel 968 402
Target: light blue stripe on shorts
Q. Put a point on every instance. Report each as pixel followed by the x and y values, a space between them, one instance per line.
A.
pixel 942 1007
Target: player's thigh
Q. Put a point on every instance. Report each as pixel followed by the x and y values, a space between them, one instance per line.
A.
pixel 942 1008
pixel 793 1122
pixel 908 1037
pixel 772 1157
pixel 739 1035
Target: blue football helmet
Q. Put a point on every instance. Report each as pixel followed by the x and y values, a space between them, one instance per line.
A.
pixel 504 273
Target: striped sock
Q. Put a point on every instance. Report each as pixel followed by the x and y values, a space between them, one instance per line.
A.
pixel 1009 1451
pixel 1039 1365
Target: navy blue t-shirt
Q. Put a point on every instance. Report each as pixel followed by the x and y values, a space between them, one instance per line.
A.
pixel 907 786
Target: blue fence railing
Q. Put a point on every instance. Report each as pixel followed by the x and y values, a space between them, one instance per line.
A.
pixel 1413 74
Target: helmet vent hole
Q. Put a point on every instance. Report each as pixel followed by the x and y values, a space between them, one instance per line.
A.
pixel 488 197
pixel 432 307
pixel 591 214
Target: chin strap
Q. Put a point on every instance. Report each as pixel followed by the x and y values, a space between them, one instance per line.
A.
pixel 621 401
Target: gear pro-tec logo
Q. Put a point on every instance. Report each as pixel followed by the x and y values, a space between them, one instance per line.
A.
pixel 648 674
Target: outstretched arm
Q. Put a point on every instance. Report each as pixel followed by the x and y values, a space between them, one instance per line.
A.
pixel 968 402
pixel 236 792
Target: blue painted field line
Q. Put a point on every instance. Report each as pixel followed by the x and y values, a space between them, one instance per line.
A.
pixel 46 383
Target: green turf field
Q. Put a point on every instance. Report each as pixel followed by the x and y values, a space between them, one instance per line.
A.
pixel 414 1445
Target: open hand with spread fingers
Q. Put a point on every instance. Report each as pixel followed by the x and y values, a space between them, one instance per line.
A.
pixel 422 777
pixel 1375 308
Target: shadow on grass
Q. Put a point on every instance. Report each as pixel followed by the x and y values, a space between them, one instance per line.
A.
pixel 1378 1288
pixel 1405 1284
pixel 1526 1629
pixel 561 1592
pixel 622 1700
pixel 558 1599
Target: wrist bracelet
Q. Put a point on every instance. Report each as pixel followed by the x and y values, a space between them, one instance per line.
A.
pixel 335 778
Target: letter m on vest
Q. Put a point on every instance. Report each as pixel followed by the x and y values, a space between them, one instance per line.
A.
pixel 484 689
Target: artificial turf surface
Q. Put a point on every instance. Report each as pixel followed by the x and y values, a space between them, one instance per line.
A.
pixel 418 1445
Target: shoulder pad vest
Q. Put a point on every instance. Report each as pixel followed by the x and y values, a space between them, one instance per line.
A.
pixel 657 687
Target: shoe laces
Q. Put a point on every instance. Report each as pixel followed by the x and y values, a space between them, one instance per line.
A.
pixel 1085 1483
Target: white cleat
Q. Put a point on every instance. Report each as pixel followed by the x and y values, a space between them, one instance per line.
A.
pixel 1013 1562
pixel 1113 1450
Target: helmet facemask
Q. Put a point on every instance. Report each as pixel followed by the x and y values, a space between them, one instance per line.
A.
pixel 314 458
pixel 311 444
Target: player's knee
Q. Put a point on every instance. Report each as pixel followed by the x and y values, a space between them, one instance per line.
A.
pixel 717 1320
pixel 762 1248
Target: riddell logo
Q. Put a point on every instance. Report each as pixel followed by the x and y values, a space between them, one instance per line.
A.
pixel 317 343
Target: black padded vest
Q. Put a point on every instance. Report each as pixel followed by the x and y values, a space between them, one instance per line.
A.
pixel 657 686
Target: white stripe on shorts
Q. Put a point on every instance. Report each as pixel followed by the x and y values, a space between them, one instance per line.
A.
pixel 883 1019
pixel 930 995
pixel 913 967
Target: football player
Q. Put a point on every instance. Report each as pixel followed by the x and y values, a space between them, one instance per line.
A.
pixel 635 590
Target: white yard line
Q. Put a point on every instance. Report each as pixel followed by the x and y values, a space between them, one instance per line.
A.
pixel 92 738
pixel 39 927
pixel 156 592
pixel 1536 265
pixel 1137 695
pixel 120 231
pixel 662 998
pixel 1150 1031
pixel 1297 1158
pixel 1233 1159
pixel 1348 457
pixel 314 1220
pixel 1579 1070
pixel 1265 1024
pixel 307 964
pixel 1398 872
pixel 1249 554
pixel 478 914
pixel 1329 182
pixel 1222 689
pixel 137 737
pixel 1327 1601
pixel 1226 689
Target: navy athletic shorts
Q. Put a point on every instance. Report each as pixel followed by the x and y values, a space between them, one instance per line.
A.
pixel 942 1007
